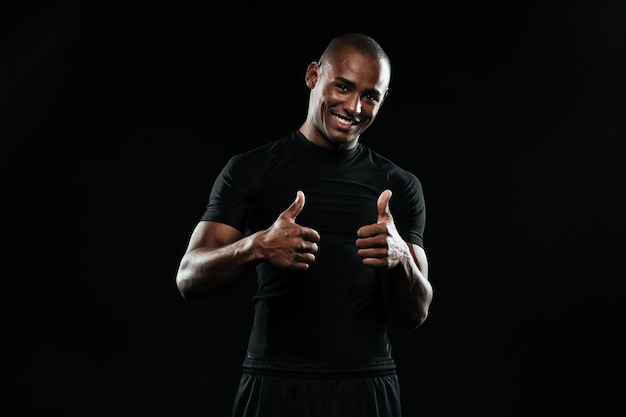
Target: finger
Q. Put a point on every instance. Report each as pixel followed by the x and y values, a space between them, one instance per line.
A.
pixel 308 248
pixel 383 206
pixel 300 266
pixel 371 230
pixel 376 258
pixel 295 208
pixel 310 235
pixel 376 262
pixel 305 257
pixel 374 241
pixel 303 261
pixel 372 252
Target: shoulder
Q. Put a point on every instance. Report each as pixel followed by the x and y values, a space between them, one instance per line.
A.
pixel 256 159
pixel 262 153
pixel 397 174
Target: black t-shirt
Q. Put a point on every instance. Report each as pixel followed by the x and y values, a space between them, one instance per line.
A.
pixel 334 311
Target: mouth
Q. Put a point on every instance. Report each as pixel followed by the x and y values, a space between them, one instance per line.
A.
pixel 344 121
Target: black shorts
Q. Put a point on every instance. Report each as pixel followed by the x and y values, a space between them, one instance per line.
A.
pixel 279 389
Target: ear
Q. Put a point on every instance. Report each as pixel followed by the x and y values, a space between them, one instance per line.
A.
pixel 384 97
pixel 310 76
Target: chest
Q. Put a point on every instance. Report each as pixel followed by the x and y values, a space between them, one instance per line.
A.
pixel 339 197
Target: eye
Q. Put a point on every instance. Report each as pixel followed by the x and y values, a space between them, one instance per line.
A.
pixel 371 97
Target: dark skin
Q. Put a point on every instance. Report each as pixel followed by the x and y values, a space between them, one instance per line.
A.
pixel 347 91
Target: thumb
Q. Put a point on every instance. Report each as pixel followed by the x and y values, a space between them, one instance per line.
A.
pixel 295 208
pixel 383 206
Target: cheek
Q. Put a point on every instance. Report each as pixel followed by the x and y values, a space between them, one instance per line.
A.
pixel 330 96
pixel 321 99
pixel 369 112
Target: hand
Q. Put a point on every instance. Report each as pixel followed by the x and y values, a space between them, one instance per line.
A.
pixel 380 244
pixel 288 245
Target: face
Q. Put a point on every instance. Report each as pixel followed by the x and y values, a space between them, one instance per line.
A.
pixel 346 95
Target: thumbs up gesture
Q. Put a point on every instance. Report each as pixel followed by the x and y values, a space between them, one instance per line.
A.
pixel 285 243
pixel 380 244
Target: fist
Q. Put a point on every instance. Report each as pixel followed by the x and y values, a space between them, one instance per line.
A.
pixel 380 244
pixel 286 244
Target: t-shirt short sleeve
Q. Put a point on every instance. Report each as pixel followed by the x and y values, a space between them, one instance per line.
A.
pixel 232 194
pixel 407 206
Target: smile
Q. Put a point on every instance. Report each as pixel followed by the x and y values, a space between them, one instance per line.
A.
pixel 345 121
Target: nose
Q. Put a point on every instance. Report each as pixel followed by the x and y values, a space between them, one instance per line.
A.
pixel 353 103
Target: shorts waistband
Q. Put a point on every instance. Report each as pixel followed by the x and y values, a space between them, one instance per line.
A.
pixel 282 366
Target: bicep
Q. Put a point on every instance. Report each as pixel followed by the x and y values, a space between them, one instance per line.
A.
pixel 212 235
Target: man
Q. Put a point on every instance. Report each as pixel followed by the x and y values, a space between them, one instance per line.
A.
pixel 335 233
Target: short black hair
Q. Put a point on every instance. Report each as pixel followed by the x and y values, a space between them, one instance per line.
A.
pixel 364 44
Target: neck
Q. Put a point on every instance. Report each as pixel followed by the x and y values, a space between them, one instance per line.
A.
pixel 316 137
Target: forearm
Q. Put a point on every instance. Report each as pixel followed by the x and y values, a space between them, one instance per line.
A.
pixel 206 272
pixel 410 292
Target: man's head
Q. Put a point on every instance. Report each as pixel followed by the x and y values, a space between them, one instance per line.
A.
pixel 348 86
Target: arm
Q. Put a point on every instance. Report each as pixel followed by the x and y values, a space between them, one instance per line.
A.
pixel 215 258
pixel 410 292
pixel 217 254
pixel 380 246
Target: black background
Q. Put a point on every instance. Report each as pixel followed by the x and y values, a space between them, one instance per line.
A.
pixel 117 116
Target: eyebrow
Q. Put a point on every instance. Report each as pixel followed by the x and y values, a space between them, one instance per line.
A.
pixel 351 84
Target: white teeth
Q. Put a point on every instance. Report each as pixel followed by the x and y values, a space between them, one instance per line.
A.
pixel 343 121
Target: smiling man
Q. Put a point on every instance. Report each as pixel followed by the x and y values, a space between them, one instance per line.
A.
pixel 335 232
